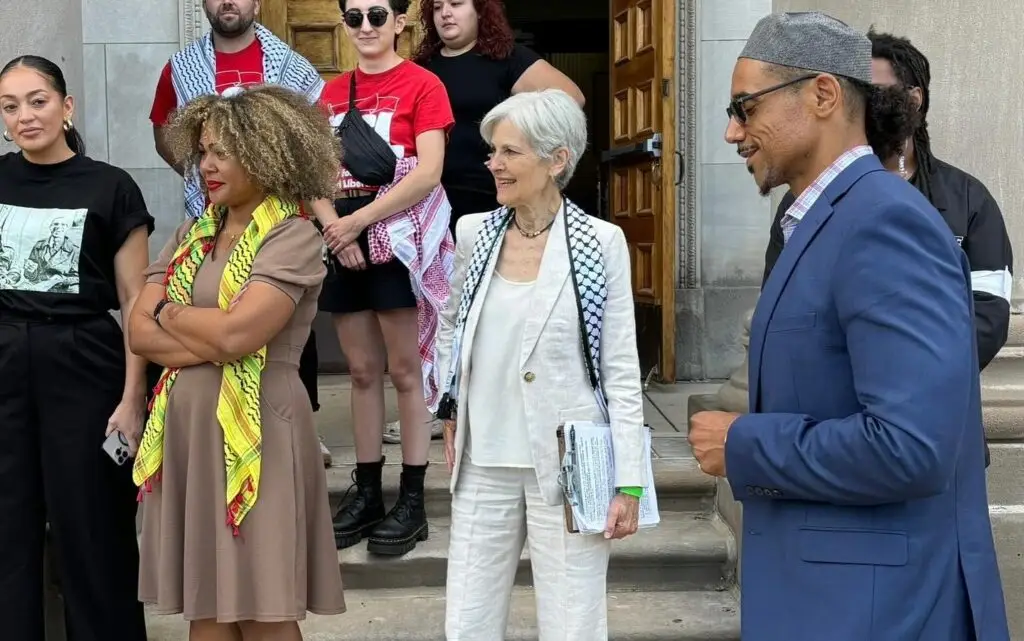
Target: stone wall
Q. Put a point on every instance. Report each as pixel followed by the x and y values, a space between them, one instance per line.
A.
pixel 48 28
pixel 732 219
pixel 125 46
pixel 976 65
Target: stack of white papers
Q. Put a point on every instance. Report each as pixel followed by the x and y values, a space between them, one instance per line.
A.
pixel 588 448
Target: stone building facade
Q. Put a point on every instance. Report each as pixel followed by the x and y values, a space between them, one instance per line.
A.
pixel 112 52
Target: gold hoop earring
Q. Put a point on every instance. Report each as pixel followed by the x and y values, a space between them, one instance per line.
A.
pixel 68 125
pixel 7 136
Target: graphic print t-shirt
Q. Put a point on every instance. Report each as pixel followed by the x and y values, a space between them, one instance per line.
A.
pixel 240 69
pixel 60 227
pixel 399 104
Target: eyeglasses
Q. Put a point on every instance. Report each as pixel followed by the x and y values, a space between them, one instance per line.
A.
pixel 376 15
pixel 738 111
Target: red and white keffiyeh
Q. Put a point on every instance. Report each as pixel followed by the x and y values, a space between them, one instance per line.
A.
pixel 420 238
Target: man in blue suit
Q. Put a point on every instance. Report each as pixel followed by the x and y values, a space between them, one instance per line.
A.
pixel 860 466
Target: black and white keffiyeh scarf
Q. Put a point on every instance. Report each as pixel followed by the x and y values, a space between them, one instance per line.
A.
pixel 588 277
pixel 193 74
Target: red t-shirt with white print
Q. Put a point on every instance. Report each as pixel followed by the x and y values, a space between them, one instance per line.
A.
pixel 239 69
pixel 400 104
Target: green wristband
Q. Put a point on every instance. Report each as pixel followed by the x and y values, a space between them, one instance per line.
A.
pixel 637 492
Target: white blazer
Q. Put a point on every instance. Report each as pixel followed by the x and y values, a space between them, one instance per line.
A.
pixel 553 374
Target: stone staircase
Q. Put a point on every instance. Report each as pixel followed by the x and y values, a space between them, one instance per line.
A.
pixel 1002 393
pixel 671 583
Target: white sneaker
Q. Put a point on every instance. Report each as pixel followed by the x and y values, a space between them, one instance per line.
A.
pixel 393 431
pixel 328 459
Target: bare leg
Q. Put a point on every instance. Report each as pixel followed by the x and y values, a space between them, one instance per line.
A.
pixel 284 631
pixel 400 336
pixel 210 630
pixel 363 345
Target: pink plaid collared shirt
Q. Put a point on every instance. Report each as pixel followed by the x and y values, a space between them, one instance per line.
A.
pixel 803 204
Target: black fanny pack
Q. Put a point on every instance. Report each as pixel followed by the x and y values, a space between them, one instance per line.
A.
pixel 365 155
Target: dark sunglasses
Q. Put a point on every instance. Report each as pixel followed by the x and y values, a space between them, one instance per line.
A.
pixel 736 109
pixel 376 15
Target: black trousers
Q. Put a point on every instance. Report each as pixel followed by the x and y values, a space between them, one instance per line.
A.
pixel 59 384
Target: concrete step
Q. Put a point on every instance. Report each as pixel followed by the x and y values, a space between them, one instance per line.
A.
pixel 418 615
pixel 687 551
pixel 681 486
pixel 1002 397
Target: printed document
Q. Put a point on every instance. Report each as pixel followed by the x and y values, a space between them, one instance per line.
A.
pixel 589 450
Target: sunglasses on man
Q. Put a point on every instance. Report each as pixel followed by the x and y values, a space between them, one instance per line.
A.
pixel 736 107
pixel 376 15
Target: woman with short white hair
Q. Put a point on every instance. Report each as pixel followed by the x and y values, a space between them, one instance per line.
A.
pixel 510 342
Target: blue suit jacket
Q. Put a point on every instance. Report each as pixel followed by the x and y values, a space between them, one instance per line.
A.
pixel 861 466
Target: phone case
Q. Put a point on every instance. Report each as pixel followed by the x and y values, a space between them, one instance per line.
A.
pixel 116 447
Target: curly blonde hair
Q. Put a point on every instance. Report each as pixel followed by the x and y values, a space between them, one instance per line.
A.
pixel 284 144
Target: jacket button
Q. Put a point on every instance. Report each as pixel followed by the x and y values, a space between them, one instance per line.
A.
pixel 529 377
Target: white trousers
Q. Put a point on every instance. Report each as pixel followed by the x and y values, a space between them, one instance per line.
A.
pixel 494 511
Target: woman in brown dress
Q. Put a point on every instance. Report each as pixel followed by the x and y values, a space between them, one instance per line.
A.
pixel 237 528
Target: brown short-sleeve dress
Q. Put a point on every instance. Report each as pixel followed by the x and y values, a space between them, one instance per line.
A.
pixel 284 562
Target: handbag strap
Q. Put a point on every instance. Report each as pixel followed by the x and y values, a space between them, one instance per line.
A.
pixel 352 91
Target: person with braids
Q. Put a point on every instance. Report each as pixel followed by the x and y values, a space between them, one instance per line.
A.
pixel 236 528
pixel 75 242
pixel 966 205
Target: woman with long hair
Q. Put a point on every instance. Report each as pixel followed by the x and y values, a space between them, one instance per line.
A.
pixel 74 248
pixel 470 46
pixel 236 530
pixel 387 230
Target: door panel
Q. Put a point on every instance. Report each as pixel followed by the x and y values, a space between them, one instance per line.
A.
pixel 314 29
pixel 641 166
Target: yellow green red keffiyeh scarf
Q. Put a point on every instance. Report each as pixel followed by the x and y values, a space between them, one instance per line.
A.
pixel 238 405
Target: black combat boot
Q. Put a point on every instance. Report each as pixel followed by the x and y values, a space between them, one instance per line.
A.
pixel 364 509
pixel 406 523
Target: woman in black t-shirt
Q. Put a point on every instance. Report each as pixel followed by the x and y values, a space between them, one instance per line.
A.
pixel 73 246
pixel 470 46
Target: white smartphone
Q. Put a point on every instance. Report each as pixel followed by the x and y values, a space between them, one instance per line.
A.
pixel 116 447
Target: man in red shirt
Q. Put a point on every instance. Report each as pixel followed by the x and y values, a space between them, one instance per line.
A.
pixel 238 53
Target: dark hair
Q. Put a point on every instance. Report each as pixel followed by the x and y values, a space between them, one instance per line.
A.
pixel 856 93
pixel 913 70
pixel 889 117
pixel 400 7
pixel 494 39
pixel 55 76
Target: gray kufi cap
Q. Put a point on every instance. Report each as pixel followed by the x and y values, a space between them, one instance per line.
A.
pixel 811 40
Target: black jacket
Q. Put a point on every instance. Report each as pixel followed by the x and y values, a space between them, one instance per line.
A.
pixel 975 219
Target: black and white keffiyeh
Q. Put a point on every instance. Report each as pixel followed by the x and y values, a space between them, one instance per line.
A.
pixel 588 278
pixel 193 74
